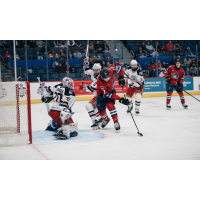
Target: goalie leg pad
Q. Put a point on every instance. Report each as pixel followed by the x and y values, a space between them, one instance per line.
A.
pixel 70 130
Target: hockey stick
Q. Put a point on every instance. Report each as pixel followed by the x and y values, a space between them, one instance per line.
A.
pixel 86 57
pixel 132 116
pixel 187 93
pixel 46 104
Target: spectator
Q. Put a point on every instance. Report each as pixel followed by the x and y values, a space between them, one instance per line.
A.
pixel 145 54
pixel 154 53
pixel 91 62
pixel 149 47
pixel 194 67
pixel 193 62
pixel 143 47
pixel 63 43
pixel 70 56
pixel 176 46
pixel 55 63
pixel 193 73
pixel 32 43
pixel 187 61
pixel 78 43
pixel 188 52
pixel 84 53
pixel 181 52
pixel 139 52
pixel 7 56
pixel 164 65
pixel 99 61
pixel 39 43
pixel 116 63
pixel 71 43
pixel 152 67
pixel 170 46
pixel 1 46
pixel 158 47
pixel 56 43
pixel 17 44
pixel 161 74
pixel 58 69
pixel 62 54
pixel 4 43
pixel 53 55
pixel 173 61
pixel 108 65
pixel 38 56
pixel 105 47
pixel 159 65
pixel 64 67
pixel 187 73
pixel 21 43
pixel 195 58
pixel 43 49
pixel 91 47
pixel 25 56
pixel 98 47
pixel 77 54
pixel 120 63
pixel 163 49
pixel 108 59
pixel 17 56
pixel 179 59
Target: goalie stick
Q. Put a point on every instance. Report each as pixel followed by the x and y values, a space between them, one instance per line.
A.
pixel 46 104
pixel 86 57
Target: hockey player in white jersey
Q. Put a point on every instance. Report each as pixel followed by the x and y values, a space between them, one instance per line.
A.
pixel 91 106
pixel 61 111
pixel 135 79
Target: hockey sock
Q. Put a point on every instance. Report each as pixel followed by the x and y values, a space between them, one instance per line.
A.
pixel 103 114
pixel 91 112
pixel 137 100
pixel 97 114
pixel 113 111
pixel 169 94
pixel 182 98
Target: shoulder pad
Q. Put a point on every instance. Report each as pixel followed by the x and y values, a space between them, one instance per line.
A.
pixel 139 72
pixel 69 92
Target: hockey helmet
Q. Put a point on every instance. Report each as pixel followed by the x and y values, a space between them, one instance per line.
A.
pixel 96 66
pixel 104 73
pixel 68 82
pixel 133 62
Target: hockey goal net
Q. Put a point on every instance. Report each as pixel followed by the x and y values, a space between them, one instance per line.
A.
pixel 15 113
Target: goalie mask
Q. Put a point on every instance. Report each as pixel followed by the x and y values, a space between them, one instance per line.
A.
pixel 68 82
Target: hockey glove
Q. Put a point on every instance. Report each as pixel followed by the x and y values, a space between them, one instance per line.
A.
pixel 180 85
pixel 168 79
pixel 46 99
pixel 81 87
pixel 121 81
pixel 135 84
pixel 124 101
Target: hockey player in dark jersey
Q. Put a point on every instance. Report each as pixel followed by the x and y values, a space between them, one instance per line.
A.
pixel 135 85
pixel 174 77
pixel 106 94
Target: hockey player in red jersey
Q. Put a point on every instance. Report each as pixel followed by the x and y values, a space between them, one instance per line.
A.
pixel 174 77
pixel 106 94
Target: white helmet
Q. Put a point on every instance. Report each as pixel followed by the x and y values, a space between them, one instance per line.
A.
pixel 68 82
pixel 133 62
pixel 96 66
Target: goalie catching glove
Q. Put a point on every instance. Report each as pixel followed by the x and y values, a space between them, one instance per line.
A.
pixel 46 99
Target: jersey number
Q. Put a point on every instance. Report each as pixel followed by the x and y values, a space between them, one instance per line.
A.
pixel 57 97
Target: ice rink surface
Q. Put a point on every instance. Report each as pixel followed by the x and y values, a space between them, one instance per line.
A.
pixel 168 134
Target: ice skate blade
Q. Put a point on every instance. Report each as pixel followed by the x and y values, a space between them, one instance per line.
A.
pixel 168 108
pixel 95 128
pixel 117 131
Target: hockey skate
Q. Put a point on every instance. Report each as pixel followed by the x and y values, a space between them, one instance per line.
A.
pixel 185 106
pixel 100 121
pixel 137 111
pixel 60 135
pixel 117 127
pixel 130 108
pixel 104 123
pixel 95 126
pixel 168 106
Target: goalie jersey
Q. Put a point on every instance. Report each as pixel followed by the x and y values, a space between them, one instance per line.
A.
pixel 134 76
pixel 93 86
pixel 63 97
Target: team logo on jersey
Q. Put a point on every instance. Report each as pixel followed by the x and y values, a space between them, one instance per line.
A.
pixel 3 92
pixel 175 75
pixel 102 87
pixel 22 90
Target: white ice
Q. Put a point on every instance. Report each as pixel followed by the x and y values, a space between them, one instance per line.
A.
pixel 168 134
